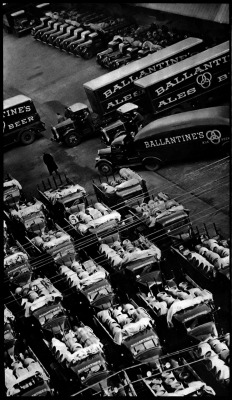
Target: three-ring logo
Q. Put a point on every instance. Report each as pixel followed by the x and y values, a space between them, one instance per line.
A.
pixel 204 80
pixel 214 136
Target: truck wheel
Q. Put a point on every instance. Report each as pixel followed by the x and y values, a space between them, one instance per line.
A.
pixel 152 164
pixel 27 137
pixel 72 139
pixel 105 168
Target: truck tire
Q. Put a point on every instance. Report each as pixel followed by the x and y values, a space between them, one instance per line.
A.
pixel 27 137
pixel 105 168
pixel 152 163
pixel 72 139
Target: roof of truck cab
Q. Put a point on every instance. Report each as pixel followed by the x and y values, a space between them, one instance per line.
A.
pixel 189 313
pixel 77 107
pixel 127 107
pixel 139 65
pixel 181 66
pixel 171 218
pixel 205 116
pixel 15 101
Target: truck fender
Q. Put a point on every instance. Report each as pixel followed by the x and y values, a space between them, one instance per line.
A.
pixel 103 160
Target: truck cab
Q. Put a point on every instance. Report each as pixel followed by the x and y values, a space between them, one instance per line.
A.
pixel 116 156
pixel 79 123
pixel 121 125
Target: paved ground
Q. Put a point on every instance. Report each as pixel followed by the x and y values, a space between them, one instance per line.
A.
pixel 54 79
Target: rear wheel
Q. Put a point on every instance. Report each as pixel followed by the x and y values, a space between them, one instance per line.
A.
pixel 72 139
pixel 105 168
pixel 27 137
pixel 152 164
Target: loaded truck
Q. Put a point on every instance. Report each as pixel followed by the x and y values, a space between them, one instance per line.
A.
pixel 135 341
pixel 183 311
pixel 106 93
pixel 21 121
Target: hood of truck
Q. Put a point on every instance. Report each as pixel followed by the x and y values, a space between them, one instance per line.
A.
pixel 190 313
pixel 106 150
pixel 64 123
pixel 113 126
pixel 204 331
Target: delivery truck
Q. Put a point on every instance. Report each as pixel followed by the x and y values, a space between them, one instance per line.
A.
pixel 201 80
pixel 106 93
pixel 186 135
pixel 194 82
pixel 21 121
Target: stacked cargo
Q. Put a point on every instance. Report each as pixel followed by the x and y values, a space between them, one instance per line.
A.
pixel 90 280
pixel 131 327
pixel 31 215
pixel 24 373
pixel 94 219
pixel 12 192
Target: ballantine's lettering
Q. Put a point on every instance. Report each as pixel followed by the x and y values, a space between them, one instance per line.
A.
pixel 166 101
pixel 187 75
pixel 174 139
pixel 119 86
pixel 17 124
pixel 178 96
pixel 116 102
pixel 16 110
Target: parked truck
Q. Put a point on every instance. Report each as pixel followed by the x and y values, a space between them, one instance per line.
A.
pixel 108 92
pixel 185 135
pixel 21 121
pixel 61 195
pixel 163 219
pixel 135 341
pixel 183 311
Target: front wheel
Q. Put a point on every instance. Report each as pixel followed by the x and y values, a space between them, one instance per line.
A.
pixel 27 137
pixel 72 139
pixel 105 168
pixel 152 164
pixel 87 53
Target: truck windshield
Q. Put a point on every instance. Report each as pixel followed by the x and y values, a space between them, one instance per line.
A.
pixel 198 321
pixel 141 347
pixel 92 369
pixel 32 383
pixel 50 315
pixel 172 226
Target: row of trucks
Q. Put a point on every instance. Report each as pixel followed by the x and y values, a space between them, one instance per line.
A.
pixel 122 200
pixel 158 85
pixel 80 33
pixel 144 84
pixel 18 20
pixel 194 322
pixel 86 33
